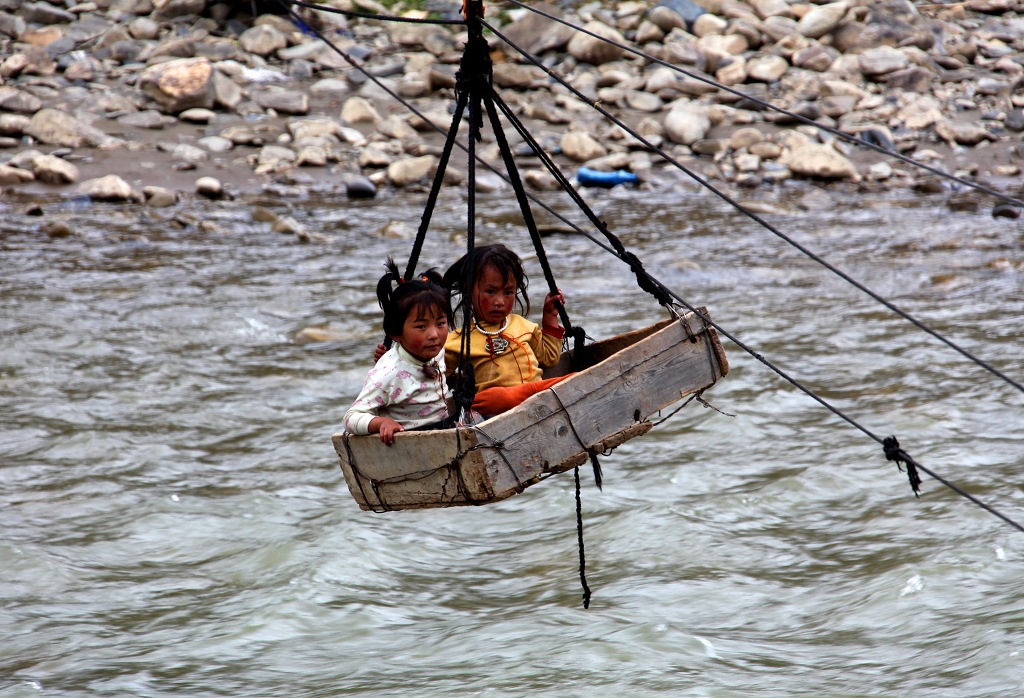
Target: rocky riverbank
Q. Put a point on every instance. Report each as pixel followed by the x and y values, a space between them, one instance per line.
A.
pixel 157 101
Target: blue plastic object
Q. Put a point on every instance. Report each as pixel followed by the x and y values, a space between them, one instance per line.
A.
pixel 595 178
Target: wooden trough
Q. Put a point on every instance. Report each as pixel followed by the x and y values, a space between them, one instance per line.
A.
pixel 628 378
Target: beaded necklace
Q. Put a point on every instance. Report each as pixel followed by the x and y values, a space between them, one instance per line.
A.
pixel 496 344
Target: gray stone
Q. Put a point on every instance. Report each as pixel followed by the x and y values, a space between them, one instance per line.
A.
pixel 536 34
pixel 283 101
pixel 169 9
pixel 148 119
pixel 226 92
pixel 44 13
pixel 184 152
pixel 589 49
pixel 14 175
pixel 1015 120
pixel 216 144
pixel 159 197
pixel 822 19
pixel 58 128
pixel 15 100
pixel 12 25
pixel 263 40
pixel 882 60
pixel 913 79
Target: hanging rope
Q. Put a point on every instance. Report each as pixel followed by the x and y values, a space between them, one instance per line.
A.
pixel 579 538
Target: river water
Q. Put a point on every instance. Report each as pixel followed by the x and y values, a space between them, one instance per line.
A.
pixel 174 521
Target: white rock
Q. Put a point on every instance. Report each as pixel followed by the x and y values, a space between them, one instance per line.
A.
pixel 54 170
pixel 882 60
pixel 686 124
pixel 815 160
pixel 210 187
pixel 359 110
pixel 766 68
pixel 581 146
pixel 411 170
pixel 108 188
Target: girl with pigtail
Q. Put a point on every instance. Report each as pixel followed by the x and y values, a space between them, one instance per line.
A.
pixel 507 351
pixel 406 388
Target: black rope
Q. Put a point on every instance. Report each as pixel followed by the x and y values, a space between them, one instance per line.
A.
pixel 671 293
pixel 892 448
pixel 524 203
pixel 768 105
pixel 643 280
pixel 579 539
pixel 593 456
pixel 435 189
pixel 367 15
pixel 768 226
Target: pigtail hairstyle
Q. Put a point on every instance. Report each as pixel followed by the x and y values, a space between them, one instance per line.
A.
pixel 462 276
pixel 399 298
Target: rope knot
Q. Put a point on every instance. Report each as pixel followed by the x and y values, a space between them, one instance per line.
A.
pixel 896 454
pixel 892 449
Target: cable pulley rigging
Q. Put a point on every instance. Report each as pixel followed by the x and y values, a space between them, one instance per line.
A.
pixel 475 95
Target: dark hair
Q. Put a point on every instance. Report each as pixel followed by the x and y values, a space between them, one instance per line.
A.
pixel 399 298
pixel 462 276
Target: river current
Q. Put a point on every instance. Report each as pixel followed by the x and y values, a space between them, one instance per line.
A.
pixel 174 521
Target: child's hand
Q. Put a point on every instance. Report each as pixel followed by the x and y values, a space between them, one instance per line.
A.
pixel 550 311
pixel 379 352
pixel 388 429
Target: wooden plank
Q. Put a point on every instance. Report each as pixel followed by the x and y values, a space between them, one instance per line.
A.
pixel 552 428
pixel 421 469
pixel 640 372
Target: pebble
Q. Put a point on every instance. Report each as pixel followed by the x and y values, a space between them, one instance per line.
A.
pixel 210 187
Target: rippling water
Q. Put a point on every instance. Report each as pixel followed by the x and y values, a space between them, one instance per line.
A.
pixel 175 523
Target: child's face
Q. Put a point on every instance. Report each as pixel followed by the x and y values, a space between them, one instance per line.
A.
pixel 493 296
pixel 424 333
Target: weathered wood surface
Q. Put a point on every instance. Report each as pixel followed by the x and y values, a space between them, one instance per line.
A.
pixel 636 375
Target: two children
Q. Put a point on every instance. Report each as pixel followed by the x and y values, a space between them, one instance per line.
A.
pixel 507 351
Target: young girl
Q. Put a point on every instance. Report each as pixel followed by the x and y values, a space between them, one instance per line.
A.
pixel 507 351
pixel 406 388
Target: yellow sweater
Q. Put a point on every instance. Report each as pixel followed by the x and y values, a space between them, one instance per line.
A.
pixel 529 349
